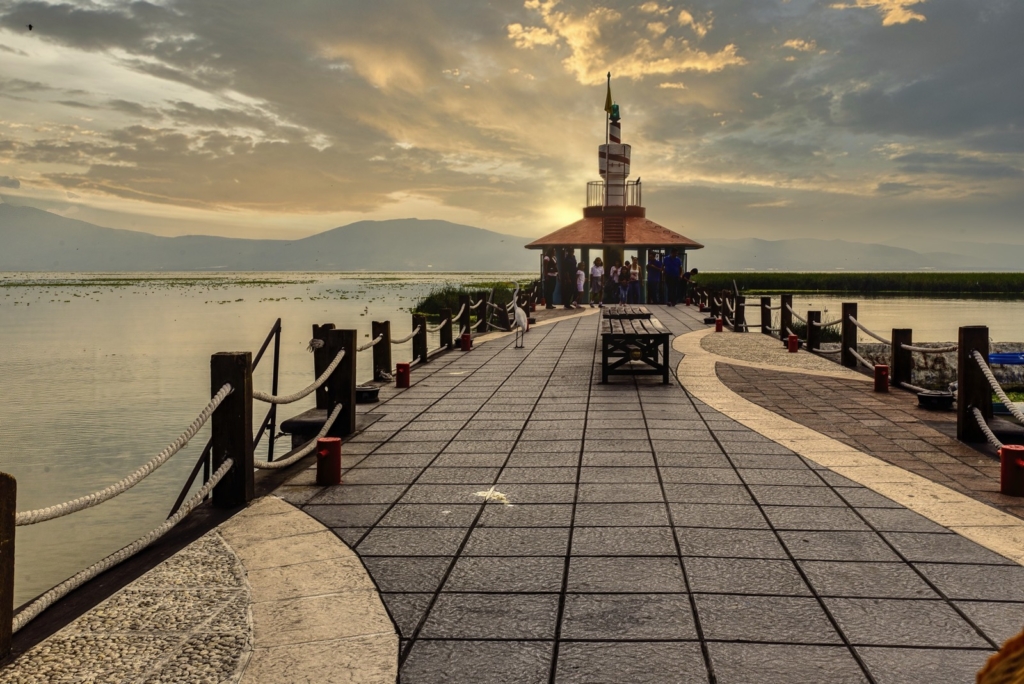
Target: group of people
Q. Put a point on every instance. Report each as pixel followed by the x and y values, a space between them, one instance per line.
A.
pixel 667 283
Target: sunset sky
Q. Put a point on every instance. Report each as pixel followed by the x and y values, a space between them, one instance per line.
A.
pixel 854 119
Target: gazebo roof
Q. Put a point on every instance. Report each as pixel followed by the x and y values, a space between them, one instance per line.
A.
pixel 640 232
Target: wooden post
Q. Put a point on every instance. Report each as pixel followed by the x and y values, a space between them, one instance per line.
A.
pixel 419 340
pixel 464 318
pixel 740 316
pixel 785 317
pixel 813 331
pixel 382 350
pixel 446 330
pixel 849 335
pixel 902 367
pixel 503 318
pixel 713 307
pixel 973 390
pixel 341 386
pixel 232 428
pixel 483 312
pixel 8 512
pixel 766 315
pixel 321 360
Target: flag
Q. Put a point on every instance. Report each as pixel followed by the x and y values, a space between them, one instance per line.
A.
pixel 608 97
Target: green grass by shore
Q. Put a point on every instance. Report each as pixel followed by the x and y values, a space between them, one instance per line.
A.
pixel 1009 285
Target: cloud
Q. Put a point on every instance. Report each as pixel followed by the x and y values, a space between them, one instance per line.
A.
pixel 701 28
pixel 892 11
pixel 673 86
pixel 952 164
pixel 8 182
pixel 801 45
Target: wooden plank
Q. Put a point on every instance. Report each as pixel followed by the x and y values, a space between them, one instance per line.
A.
pixel 8 512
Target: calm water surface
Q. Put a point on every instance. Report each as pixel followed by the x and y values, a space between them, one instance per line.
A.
pixel 100 372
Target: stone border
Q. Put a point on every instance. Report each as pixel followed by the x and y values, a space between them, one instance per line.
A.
pixel 316 614
pixel 987 526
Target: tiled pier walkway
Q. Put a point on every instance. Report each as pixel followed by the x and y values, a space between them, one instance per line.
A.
pixel 646 537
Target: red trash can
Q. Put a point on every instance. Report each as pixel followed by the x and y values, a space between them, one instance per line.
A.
pixel 1011 470
pixel 402 375
pixel 881 377
pixel 718 324
pixel 328 461
pixel 466 341
pixel 793 344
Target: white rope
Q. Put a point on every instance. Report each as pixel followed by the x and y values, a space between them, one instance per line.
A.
pixel 863 361
pixel 730 306
pixel 295 396
pixel 718 302
pixel 912 388
pixel 77 580
pixel 415 331
pixel 929 350
pixel 478 303
pixel 796 315
pixel 50 512
pixel 996 387
pixel 870 332
pixel 989 435
pixel 827 325
pixel 789 331
pixel 314 344
pixel 439 325
pixel 774 308
pixel 371 343
pixel 306 449
pixel 462 310
pixel 827 351
pixel 774 330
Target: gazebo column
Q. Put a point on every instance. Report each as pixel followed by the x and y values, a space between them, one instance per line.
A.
pixel 585 258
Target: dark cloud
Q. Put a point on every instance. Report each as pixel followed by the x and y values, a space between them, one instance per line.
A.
pixel 8 182
pixel 954 165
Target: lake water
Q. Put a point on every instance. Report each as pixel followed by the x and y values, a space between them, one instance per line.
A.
pixel 100 372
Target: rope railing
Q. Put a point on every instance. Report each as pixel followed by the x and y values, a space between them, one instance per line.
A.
pixel 370 344
pixel 476 304
pixel 912 388
pixel 929 350
pixel 730 306
pixel 819 324
pixel 986 430
pixel 80 578
pixel 827 351
pixel 306 391
pixel 306 449
pixel 774 308
pixel 796 315
pixel 81 503
pixel 439 325
pixel 718 302
pixel 864 362
pixel 789 331
pixel 996 387
pixel 415 331
pixel 462 310
pixel 870 332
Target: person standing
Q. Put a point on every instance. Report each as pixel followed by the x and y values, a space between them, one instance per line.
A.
pixel 581 280
pixel 550 279
pixel 568 278
pixel 688 281
pixel 673 272
pixel 613 283
pixel 634 281
pixel 624 284
pixel 654 269
pixel 597 283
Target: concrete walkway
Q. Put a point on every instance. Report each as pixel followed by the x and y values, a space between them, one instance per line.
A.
pixel 527 524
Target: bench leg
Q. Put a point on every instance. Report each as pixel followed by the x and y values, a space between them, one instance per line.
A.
pixel 664 347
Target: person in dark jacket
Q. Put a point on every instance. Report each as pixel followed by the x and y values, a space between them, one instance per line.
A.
pixel 568 278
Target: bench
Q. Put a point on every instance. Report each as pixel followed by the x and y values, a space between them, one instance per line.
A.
pixel 634 346
pixel 627 311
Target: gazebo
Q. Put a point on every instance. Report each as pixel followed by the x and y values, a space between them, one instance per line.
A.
pixel 614 218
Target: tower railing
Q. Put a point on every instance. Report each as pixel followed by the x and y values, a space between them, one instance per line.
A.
pixel 596 194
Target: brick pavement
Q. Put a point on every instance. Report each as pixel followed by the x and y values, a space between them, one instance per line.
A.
pixel 649 537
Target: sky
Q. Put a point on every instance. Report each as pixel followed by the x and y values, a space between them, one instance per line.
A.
pixel 865 120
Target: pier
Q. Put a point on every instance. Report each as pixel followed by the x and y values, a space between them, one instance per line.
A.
pixel 765 516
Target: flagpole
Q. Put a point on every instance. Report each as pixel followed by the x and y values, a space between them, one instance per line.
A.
pixel 607 133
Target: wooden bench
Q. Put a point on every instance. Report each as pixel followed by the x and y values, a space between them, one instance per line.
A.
pixel 627 311
pixel 634 346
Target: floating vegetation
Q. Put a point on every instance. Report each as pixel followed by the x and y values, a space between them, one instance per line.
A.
pixel 1010 285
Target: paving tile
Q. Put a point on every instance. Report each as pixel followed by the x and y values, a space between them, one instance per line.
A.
pixel 543 460
pixel 623 541
pixel 837 545
pixel 866 579
pixel 618 474
pixel 621 493
pixel 347 515
pixel 784 495
pixel 445 493
pixel 529 515
pixel 803 477
pixel 491 616
pixel 910 665
pixel 764 618
pixel 431 515
pixel 862 497
pixel 350 535
pixel 412 541
pixel 978 582
pixel 744 576
pixel 470 460
pixel 692 493
pixel 902 622
pixel 621 514
pixel 515 662
pixel 395 460
pixel 358 494
pixel 518 541
pixel 814 518
pixel 999 621
pixel 696 541
pixel 359 475
pixel 636 662
pixel 602 458
pixel 784 664
pixel 717 515
pixel 538 475
pixel 625 575
pixel 627 616
pixel 942 548
pixel 400 574
pixel 406 610
pixel 717 476
pixel 538 493
pixel 457 475
pixel 506 574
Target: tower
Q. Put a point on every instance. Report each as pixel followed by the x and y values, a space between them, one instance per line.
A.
pixel 613 163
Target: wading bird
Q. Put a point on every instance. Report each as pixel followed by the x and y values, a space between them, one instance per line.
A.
pixel 522 323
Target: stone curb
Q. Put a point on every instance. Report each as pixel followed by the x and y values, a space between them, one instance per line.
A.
pixel 983 524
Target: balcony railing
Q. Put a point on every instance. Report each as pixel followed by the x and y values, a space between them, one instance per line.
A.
pixel 596 194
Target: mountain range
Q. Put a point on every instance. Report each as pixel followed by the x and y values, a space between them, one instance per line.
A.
pixel 36 240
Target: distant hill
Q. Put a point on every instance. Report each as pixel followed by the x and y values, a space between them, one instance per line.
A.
pixel 36 240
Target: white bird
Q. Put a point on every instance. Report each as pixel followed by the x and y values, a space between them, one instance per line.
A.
pixel 522 323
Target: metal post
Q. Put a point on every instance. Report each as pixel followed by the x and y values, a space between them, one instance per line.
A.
pixel 419 340
pixel 8 513
pixel 766 315
pixel 464 302
pixel 785 317
pixel 902 359
pixel 341 386
pixel 232 428
pixel 321 360
pixel 849 335
pixel 740 315
pixel 813 331
pixel 973 390
pixel 382 350
pixel 446 330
